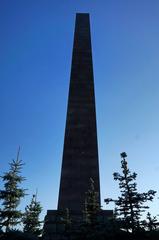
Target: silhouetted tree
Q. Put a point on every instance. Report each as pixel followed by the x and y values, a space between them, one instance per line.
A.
pixel 151 222
pixel 31 221
pixel 90 228
pixel 67 219
pixel 130 205
pixel 11 195
pixel 91 205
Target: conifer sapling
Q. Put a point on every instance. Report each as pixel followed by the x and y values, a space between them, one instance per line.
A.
pixel 11 195
pixel 31 221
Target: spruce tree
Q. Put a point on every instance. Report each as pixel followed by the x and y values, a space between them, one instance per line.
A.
pixel 151 222
pixel 67 219
pixel 90 228
pixel 11 195
pixel 92 205
pixel 130 205
pixel 31 221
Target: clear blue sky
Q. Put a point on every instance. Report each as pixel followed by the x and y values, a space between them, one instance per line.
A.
pixel 36 47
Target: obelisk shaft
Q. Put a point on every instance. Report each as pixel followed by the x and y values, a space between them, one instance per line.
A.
pixel 80 154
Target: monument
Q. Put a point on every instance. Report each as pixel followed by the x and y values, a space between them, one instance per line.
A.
pixel 80 153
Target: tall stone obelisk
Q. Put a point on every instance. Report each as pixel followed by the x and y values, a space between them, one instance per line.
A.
pixel 80 154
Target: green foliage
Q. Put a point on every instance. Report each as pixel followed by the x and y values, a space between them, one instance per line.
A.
pixel 11 195
pixel 31 221
pixel 91 206
pixel 150 223
pixel 18 235
pixel 130 205
pixel 67 219
pixel 90 228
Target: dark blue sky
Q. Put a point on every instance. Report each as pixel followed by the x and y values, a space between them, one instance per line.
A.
pixel 36 48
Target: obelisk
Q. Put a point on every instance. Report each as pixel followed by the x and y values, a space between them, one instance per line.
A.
pixel 80 153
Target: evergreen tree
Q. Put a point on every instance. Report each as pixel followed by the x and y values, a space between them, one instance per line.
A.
pixel 92 205
pixel 67 219
pixel 130 205
pixel 11 195
pixel 151 222
pixel 31 221
pixel 91 227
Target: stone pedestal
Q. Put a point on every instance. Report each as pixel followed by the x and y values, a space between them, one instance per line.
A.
pixel 55 227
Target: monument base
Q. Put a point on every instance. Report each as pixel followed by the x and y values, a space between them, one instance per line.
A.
pixel 56 226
